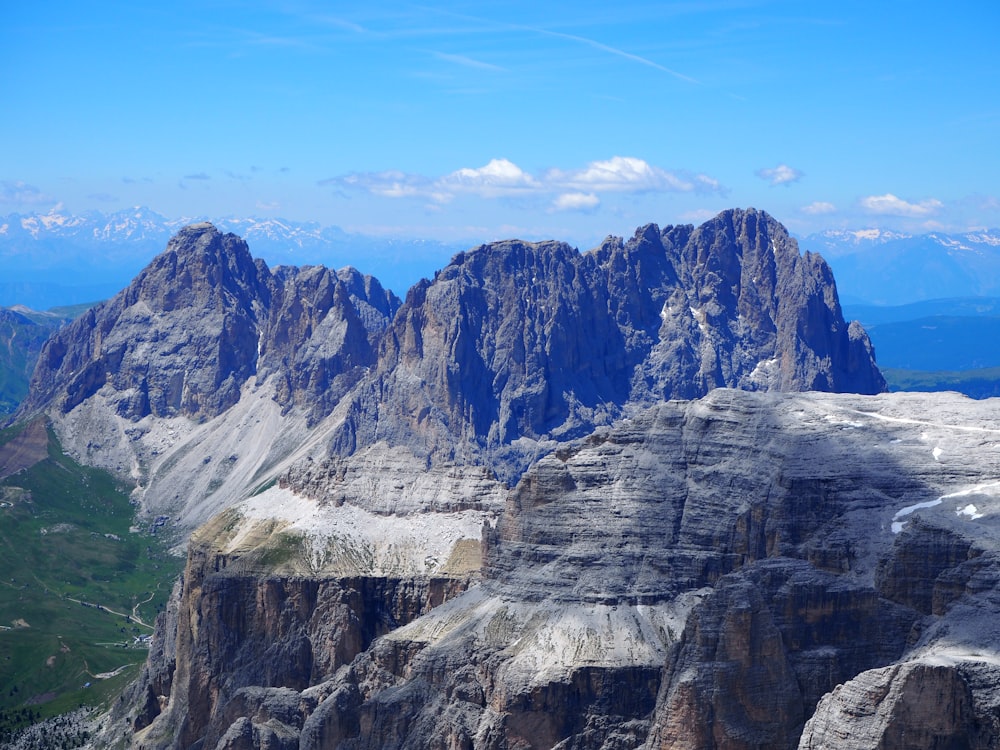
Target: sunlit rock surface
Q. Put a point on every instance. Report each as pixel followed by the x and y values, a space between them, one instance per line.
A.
pixel 719 573
pixel 211 374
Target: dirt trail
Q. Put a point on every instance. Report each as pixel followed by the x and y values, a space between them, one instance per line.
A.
pixel 24 451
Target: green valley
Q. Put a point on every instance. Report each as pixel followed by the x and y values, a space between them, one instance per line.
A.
pixel 81 584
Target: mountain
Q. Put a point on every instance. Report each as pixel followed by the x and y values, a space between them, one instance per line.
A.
pixel 22 334
pixel 650 495
pixel 510 348
pixel 886 268
pixel 57 258
pixel 745 570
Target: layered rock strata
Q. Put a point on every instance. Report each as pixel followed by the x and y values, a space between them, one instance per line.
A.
pixel 477 519
pixel 721 573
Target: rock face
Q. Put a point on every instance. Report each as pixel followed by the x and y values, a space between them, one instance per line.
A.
pixel 516 340
pixel 482 517
pixel 720 573
pixel 196 324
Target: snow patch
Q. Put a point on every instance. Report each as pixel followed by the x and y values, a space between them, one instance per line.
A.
pixel 765 372
pixel 984 239
pixel 937 453
pixel 969 510
pixel 699 316
pixel 898 525
pixel 950 656
pixel 984 492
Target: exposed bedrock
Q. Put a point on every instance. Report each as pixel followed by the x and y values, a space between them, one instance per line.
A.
pixel 512 348
pixel 704 574
pixel 241 629
pixel 912 705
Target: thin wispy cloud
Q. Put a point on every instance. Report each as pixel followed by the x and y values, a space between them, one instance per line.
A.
pixel 576 38
pixel 198 176
pixel 468 62
pixel 573 189
pixel 617 52
pixel 16 192
pixel 339 23
pixel 388 184
pixel 890 205
pixel 780 175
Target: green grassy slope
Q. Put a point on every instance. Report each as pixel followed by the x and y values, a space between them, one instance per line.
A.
pixel 78 585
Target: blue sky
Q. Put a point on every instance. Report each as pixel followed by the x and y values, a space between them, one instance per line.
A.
pixel 476 121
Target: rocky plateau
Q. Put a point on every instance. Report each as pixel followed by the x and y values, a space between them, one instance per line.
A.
pixel 648 496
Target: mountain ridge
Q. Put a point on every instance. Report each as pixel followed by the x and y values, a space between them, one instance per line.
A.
pixel 510 347
pixel 547 500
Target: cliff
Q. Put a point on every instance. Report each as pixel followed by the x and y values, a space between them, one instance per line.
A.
pixel 731 572
pixel 211 374
pixel 553 499
pixel 516 342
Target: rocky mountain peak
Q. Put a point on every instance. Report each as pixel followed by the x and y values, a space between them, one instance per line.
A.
pixel 186 335
pixel 518 340
pixel 201 265
pixel 512 345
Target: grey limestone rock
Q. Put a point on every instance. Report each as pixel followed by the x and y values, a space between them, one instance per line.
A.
pixel 485 517
pixel 702 574
pixel 910 705
pixel 182 338
pixel 200 321
pixel 516 340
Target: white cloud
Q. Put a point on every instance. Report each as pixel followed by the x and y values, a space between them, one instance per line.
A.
pixel 576 202
pixel 817 208
pixel 628 174
pixel 780 175
pixel 889 204
pixel 575 189
pixel 498 178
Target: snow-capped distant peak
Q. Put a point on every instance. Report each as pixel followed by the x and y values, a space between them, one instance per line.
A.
pixel 990 237
pixel 857 236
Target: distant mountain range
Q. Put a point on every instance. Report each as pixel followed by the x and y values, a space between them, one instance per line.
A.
pixel 58 258
pixel 890 268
